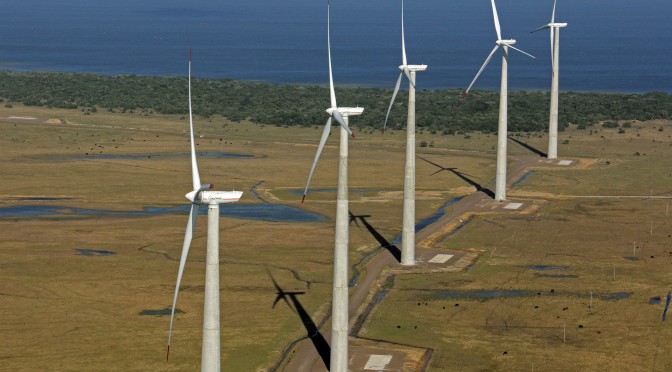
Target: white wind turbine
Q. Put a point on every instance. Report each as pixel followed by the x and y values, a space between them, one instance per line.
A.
pixel 339 309
pixel 555 61
pixel 500 183
pixel 210 353
pixel 408 226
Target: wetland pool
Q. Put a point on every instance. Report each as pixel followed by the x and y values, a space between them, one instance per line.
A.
pixel 263 212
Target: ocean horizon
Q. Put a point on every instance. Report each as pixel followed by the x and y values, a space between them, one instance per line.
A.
pixel 608 46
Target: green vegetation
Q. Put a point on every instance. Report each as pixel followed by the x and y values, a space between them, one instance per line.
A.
pixel 439 111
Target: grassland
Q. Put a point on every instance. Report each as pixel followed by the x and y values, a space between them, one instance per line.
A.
pixel 62 311
pixel 536 273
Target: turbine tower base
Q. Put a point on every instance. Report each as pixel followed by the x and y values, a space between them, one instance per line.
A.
pixel 210 353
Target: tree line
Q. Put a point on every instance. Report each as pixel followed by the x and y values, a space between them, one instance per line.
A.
pixel 441 111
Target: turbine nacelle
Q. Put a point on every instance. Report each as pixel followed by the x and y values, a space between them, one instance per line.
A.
pixel 551 25
pixel 413 67
pixel 346 111
pixel 219 197
pixel 505 42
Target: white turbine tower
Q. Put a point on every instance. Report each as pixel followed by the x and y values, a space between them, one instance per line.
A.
pixel 408 226
pixel 339 308
pixel 201 194
pixel 555 61
pixel 500 183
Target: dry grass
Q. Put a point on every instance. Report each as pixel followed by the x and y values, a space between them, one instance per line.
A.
pixel 62 311
pixel 69 312
pixel 587 238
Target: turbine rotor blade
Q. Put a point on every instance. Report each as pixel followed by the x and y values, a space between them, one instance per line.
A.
pixel 403 43
pixel 487 60
pixel 323 140
pixel 552 35
pixel 188 234
pixel 339 118
pixel 332 93
pixel 196 179
pixel 407 72
pixel 522 51
pixel 496 17
pixel 552 47
pixel 540 28
pixel 394 95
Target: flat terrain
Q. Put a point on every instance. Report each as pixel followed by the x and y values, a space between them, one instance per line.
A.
pixel 66 310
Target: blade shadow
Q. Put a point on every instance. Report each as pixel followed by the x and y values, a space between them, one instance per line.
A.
pixel 393 249
pixel 525 145
pixel 312 331
pixel 462 176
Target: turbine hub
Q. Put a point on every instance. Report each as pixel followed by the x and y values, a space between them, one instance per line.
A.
pixel 191 196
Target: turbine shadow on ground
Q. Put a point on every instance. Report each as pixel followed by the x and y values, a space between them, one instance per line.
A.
pixel 393 249
pixel 312 331
pixel 462 176
pixel 525 145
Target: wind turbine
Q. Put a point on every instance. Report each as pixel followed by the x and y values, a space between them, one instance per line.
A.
pixel 555 61
pixel 408 224
pixel 339 308
pixel 500 184
pixel 201 194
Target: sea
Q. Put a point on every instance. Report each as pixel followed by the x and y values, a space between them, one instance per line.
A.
pixel 608 45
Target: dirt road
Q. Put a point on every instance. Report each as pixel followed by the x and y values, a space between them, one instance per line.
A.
pixel 307 358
